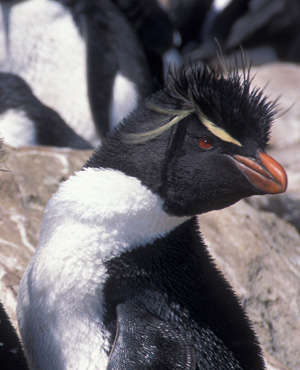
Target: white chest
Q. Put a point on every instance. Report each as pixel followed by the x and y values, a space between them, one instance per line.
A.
pixel 94 216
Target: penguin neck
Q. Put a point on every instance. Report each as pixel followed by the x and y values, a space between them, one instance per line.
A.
pixel 96 215
pixel 116 210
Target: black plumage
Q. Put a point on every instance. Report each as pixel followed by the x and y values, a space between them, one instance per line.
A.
pixel 112 47
pixel 136 275
pixel 174 290
pixel 85 74
pixel 172 285
pixel 227 99
pixel 154 29
pixel 11 353
pixel 49 127
pixel 270 26
pixel 172 164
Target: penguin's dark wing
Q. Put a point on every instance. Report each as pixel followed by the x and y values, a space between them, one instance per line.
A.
pixel 11 353
pixel 145 342
pixel 261 14
pixel 50 128
pixel 112 49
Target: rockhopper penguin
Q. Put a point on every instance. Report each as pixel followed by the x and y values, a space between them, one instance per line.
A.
pixel 121 278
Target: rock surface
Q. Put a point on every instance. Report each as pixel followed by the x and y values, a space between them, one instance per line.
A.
pixel 258 251
pixel 260 256
pixel 285 205
pixel 32 175
pixel 283 81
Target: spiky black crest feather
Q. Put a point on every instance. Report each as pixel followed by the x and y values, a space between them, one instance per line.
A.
pixel 226 98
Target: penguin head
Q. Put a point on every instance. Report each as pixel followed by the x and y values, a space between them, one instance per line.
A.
pixel 199 143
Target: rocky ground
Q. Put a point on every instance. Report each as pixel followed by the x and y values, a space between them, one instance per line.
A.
pixel 256 243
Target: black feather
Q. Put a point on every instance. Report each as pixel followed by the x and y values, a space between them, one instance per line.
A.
pixel 50 128
pixel 11 352
pixel 171 290
pixel 226 98
pixel 170 164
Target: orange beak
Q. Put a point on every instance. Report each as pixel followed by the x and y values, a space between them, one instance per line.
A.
pixel 264 173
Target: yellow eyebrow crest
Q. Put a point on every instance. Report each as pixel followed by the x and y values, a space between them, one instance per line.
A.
pixel 212 127
pixel 218 131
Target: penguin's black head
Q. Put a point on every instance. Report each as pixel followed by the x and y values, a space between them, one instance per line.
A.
pixel 199 143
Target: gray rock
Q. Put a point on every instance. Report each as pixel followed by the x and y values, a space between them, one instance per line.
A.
pixel 32 176
pixel 260 256
pixel 282 80
pixel 286 205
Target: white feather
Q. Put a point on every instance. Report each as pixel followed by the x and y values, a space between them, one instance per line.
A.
pixel 17 129
pixel 219 5
pixel 40 42
pixel 95 215
pixel 216 8
pixel 124 99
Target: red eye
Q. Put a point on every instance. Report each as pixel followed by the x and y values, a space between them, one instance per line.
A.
pixel 205 143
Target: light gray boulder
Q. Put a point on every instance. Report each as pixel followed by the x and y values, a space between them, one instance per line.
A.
pixel 283 80
pixel 31 176
pixel 260 256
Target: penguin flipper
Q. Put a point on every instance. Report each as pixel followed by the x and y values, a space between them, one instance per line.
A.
pixel 145 342
pixel 11 352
